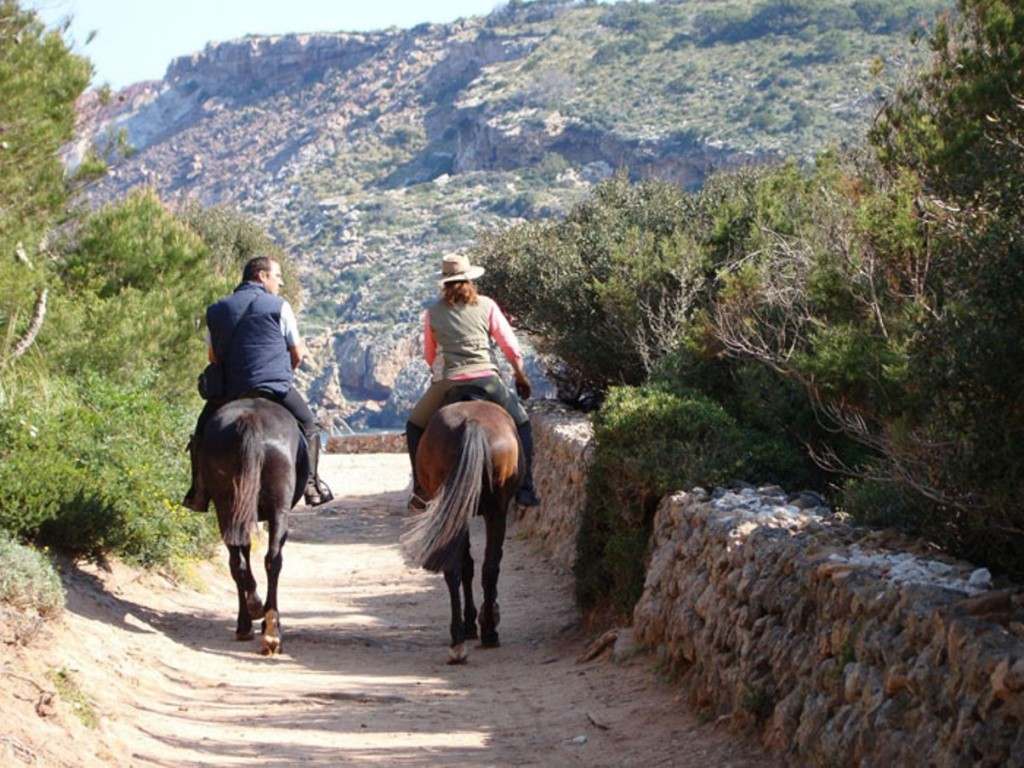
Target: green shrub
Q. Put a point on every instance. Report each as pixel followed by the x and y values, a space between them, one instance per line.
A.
pixel 884 505
pixel 28 579
pixel 135 282
pixel 99 470
pixel 653 440
pixel 606 289
pixel 774 411
pixel 650 441
pixel 40 80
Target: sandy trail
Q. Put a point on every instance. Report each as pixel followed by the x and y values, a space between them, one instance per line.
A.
pixel 362 678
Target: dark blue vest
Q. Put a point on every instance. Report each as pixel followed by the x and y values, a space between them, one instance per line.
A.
pixel 257 356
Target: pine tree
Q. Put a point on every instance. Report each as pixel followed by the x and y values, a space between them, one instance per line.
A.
pixel 40 80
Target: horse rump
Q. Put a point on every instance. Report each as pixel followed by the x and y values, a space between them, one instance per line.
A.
pixel 437 536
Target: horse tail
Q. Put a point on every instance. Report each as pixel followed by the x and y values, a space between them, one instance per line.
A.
pixel 246 483
pixel 433 542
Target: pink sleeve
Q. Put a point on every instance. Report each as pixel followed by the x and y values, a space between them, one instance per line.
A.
pixel 429 342
pixel 503 334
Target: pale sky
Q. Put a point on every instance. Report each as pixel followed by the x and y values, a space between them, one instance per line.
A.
pixel 135 40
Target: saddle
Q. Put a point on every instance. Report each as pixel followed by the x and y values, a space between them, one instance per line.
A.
pixel 463 393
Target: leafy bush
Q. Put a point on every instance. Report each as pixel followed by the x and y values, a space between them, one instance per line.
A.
pixel 231 239
pixel 960 125
pixel 135 282
pixel 952 442
pixel 103 329
pixel 605 290
pixel 776 412
pixel 28 579
pixel 98 470
pixel 885 505
pixel 93 425
pixel 650 441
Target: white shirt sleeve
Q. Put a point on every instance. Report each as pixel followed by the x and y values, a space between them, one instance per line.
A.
pixel 289 326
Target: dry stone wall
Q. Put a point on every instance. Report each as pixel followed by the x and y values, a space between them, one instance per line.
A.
pixel 384 442
pixel 839 646
pixel 561 440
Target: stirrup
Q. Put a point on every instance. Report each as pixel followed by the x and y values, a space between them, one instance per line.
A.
pixel 317 493
pixel 326 494
pixel 416 503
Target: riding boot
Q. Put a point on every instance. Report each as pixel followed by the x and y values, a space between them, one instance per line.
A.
pixel 412 441
pixel 196 498
pixel 317 491
pixel 527 496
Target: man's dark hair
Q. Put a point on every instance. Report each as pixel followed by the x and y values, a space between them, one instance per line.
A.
pixel 254 266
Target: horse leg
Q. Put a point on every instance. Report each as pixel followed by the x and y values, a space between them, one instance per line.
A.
pixel 273 562
pixel 253 601
pixel 248 598
pixel 457 653
pixel 490 615
pixel 469 610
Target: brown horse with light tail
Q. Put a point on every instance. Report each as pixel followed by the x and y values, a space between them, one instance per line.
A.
pixel 255 467
pixel 469 462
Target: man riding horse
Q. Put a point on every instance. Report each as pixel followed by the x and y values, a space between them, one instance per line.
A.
pixel 457 334
pixel 258 346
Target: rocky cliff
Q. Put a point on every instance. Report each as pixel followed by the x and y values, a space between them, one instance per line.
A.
pixel 367 156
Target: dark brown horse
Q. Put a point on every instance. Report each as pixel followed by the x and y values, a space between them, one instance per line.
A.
pixel 254 467
pixel 469 462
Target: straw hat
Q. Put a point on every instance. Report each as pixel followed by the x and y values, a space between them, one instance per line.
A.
pixel 457 268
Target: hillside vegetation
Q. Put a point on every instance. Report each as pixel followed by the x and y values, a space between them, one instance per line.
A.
pixel 369 155
pixel 853 327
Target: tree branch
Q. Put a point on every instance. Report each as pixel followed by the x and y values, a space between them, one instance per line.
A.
pixel 38 314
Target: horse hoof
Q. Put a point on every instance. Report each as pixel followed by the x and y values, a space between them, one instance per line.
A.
pixel 271 634
pixel 255 607
pixel 490 640
pixel 242 634
pixel 457 654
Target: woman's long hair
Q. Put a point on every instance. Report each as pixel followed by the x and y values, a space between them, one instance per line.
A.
pixel 459 292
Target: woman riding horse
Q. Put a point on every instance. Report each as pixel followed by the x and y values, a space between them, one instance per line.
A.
pixel 457 335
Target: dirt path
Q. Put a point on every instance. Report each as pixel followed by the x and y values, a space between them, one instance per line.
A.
pixel 362 678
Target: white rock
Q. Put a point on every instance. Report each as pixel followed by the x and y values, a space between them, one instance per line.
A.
pixel 981 579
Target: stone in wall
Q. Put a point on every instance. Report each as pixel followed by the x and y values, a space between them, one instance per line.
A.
pixel 384 442
pixel 843 646
pixel 561 447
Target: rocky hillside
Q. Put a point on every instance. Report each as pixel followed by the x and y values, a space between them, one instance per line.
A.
pixel 369 155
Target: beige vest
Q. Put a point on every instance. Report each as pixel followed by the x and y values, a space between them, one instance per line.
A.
pixel 463 334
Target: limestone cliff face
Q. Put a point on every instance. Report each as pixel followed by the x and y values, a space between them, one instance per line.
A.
pixel 367 156
pixel 238 67
pixel 485 145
